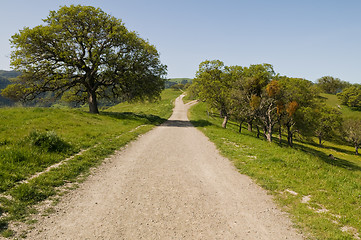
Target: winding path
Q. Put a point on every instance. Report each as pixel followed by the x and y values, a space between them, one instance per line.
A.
pixel 169 184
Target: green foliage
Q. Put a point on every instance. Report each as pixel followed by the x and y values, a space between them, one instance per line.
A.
pixel 332 185
pixel 351 96
pixel 352 132
pixel 192 92
pixel 214 86
pixel 173 81
pixel 298 98
pixel 5 77
pixel 257 77
pixel 258 96
pixel 331 85
pixel 178 86
pixel 325 121
pixel 83 50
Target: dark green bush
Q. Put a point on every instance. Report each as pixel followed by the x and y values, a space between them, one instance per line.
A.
pixel 49 141
pixel 31 194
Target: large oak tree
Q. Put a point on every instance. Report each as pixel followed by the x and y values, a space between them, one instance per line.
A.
pixel 86 53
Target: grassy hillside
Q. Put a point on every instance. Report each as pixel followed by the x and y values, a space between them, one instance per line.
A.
pixel 322 195
pixel 32 139
pixel 346 111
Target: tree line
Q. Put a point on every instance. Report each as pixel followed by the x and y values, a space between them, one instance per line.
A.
pixel 271 103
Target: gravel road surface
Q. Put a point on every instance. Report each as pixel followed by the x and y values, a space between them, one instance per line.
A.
pixel 169 184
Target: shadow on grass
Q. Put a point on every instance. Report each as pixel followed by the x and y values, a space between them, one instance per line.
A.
pixel 338 162
pixel 147 118
pixel 201 123
pixel 3 226
pixel 332 148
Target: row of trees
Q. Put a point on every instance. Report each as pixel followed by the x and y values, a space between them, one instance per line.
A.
pixel 266 101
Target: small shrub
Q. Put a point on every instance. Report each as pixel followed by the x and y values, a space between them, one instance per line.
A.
pixel 14 155
pixel 30 194
pixel 7 233
pixel 49 141
pixel 4 142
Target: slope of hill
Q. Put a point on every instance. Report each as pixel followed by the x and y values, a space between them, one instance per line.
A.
pixel 346 111
pixel 4 81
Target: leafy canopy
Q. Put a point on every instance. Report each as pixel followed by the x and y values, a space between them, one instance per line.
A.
pixel 86 53
pixel 351 96
pixel 213 85
pixel 331 85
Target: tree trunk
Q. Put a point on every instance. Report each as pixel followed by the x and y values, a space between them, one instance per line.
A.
pixel 258 132
pixel 240 127
pixel 225 120
pixel 289 136
pixel 280 134
pixel 249 126
pixel 92 101
pixel 265 132
pixel 356 149
pixel 269 134
pixel 291 139
pixel 320 140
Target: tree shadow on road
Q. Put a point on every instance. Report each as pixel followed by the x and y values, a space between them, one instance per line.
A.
pixel 177 123
pixel 147 118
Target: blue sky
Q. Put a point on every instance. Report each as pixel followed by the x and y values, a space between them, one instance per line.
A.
pixel 300 38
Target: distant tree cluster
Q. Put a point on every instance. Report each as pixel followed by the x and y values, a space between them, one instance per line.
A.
pixel 268 102
pixel 5 77
pixel 178 83
pixel 331 85
pixel 351 96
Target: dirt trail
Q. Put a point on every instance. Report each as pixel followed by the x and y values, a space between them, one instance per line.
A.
pixel 169 184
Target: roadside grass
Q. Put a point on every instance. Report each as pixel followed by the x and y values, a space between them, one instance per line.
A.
pixel 32 139
pixel 322 195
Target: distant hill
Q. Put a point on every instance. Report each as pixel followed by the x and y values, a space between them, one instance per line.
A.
pixel 174 81
pixel 5 77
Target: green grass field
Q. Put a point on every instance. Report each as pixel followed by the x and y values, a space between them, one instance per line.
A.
pixel 30 140
pixel 322 195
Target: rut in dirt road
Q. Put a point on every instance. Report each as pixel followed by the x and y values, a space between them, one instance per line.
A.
pixel 169 184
